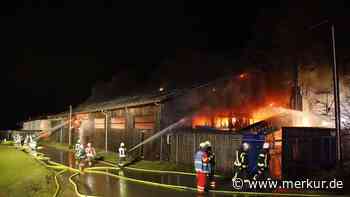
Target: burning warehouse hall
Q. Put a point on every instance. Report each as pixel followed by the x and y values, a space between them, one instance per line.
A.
pixel 168 125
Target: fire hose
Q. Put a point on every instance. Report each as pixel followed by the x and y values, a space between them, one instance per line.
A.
pixel 57 166
pixel 157 171
pixel 185 187
pixel 97 170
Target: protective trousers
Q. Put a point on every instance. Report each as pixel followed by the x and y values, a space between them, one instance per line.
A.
pixel 201 181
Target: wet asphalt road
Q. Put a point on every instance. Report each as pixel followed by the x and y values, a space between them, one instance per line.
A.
pixel 104 185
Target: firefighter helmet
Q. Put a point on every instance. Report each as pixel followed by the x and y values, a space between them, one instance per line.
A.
pixel 245 146
pixel 266 145
pixel 208 144
pixel 202 145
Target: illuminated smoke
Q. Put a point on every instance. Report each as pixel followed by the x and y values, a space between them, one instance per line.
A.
pixel 85 130
pixel 298 118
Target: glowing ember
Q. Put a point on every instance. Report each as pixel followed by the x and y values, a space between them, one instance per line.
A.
pixel 201 121
pixel 221 122
pixel 243 76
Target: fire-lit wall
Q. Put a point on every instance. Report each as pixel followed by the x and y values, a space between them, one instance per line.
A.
pixel 316 84
pixel 227 104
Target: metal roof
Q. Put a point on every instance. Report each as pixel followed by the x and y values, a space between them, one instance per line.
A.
pixel 118 103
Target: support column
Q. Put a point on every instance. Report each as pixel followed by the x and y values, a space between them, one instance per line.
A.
pixel 158 128
pixel 194 143
pixel 106 134
pixel 61 135
pixel 70 126
pixel 177 149
pixel 161 149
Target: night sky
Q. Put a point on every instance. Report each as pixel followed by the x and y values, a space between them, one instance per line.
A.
pixel 62 48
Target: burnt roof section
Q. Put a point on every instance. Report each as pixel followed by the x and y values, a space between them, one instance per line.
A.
pixel 141 99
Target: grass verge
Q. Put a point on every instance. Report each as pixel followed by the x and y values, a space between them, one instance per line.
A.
pixel 23 176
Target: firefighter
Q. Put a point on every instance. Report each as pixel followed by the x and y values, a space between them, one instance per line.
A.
pixel 80 156
pixel 18 140
pixel 263 163
pixel 201 166
pixel 240 165
pixel 90 153
pixel 122 153
pixel 32 144
pixel 26 140
pixel 211 157
pixel 80 153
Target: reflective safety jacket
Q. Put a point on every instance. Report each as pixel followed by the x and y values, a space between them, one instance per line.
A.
pixel 243 156
pixel 206 167
pixel 201 162
pixel 80 154
pixel 198 160
pixel 211 157
pixel 77 146
pixel 90 152
pixel 262 161
pixel 241 160
pixel 122 151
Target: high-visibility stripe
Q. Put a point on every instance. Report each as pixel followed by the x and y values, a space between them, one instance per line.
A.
pixel 237 163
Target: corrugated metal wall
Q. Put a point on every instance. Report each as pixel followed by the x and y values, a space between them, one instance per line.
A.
pixel 185 142
pixel 130 134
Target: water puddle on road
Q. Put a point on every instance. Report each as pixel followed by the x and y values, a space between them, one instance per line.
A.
pixel 105 185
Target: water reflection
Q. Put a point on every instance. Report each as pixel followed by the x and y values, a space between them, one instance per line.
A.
pixel 90 181
pixel 71 160
pixel 276 162
pixel 104 185
pixel 122 184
